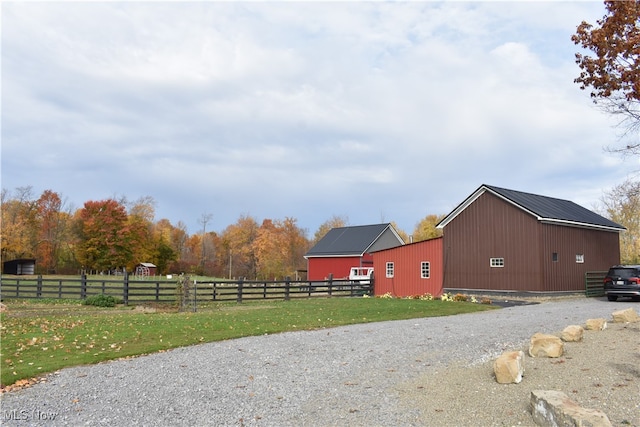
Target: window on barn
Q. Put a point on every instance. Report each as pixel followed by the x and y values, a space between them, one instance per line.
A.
pixel 389 269
pixel 496 262
pixel 554 257
pixel 425 269
pixel 580 258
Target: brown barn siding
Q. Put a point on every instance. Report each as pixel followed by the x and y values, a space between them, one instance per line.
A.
pixel 600 249
pixel 492 228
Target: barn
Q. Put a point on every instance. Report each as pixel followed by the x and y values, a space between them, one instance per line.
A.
pixel 345 247
pixel 506 240
pixel 409 270
pixel 19 266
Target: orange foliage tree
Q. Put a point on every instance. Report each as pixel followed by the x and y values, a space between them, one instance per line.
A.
pixel 104 236
pixel 613 72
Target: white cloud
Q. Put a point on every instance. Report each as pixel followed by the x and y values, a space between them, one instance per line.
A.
pixel 291 109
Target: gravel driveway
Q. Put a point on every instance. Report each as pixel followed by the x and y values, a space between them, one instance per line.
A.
pixel 342 376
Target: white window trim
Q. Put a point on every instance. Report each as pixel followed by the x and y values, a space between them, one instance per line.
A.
pixel 496 262
pixel 428 269
pixel 389 270
pixel 579 258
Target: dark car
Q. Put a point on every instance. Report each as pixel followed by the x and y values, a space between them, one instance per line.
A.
pixel 622 281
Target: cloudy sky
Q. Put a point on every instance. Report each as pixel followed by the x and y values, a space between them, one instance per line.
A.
pixel 374 111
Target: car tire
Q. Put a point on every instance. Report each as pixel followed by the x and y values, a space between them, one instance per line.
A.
pixel 612 297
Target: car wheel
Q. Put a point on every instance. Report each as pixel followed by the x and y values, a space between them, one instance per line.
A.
pixel 612 297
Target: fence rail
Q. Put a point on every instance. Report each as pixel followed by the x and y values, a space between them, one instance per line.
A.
pixel 594 283
pixel 153 290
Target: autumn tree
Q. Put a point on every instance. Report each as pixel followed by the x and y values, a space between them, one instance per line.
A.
pixel 52 228
pixel 335 221
pixel 104 238
pixel 613 72
pixel 279 248
pixel 19 230
pixel 426 228
pixel 140 217
pixel 237 247
pixel 622 205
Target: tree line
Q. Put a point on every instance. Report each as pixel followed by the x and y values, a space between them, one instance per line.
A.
pixel 116 234
pixel 110 234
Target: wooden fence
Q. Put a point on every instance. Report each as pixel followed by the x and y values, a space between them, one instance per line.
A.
pixel 594 283
pixel 154 290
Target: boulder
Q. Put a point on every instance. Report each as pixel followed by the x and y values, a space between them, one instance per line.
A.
pixel 554 408
pixel 3 308
pixel 572 333
pixel 543 345
pixel 625 316
pixel 509 367
pixel 596 324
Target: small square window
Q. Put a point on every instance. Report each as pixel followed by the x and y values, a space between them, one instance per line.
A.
pixel 580 258
pixel 497 262
pixel 554 257
pixel 425 269
pixel 389 269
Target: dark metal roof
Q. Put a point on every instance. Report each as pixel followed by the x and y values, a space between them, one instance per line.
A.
pixel 347 241
pixel 547 209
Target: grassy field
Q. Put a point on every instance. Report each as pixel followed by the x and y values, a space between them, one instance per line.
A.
pixel 38 338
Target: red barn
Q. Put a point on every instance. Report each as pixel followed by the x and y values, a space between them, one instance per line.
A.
pixel 345 247
pixel 408 270
pixel 506 240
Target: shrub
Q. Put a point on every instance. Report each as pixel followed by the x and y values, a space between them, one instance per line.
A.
pixel 101 301
pixel 459 297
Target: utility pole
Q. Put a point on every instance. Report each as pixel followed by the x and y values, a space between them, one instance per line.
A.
pixel 204 220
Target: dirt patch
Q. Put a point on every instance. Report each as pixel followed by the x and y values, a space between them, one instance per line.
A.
pixel 601 372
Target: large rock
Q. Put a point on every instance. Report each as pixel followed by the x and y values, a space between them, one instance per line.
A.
pixel 3 308
pixel 596 324
pixel 572 333
pixel 543 345
pixel 509 367
pixel 554 408
pixel 625 316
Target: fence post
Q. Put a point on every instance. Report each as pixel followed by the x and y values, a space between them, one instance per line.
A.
pixel 39 291
pixel 83 286
pixel 158 291
pixel 330 284
pixel 195 295
pixel 60 289
pixel 240 286
pixel 125 289
pixel 287 286
pixel 214 290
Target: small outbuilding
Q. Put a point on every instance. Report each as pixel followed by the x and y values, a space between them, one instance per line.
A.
pixel 19 266
pixel 409 270
pixel 145 269
pixel 345 247
pixel 506 240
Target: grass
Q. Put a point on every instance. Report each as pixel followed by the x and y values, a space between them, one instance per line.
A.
pixel 37 338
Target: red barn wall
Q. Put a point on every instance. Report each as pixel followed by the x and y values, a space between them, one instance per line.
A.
pixel 319 268
pixel 407 259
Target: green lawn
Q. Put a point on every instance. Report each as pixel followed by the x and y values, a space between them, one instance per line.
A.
pixel 38 337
